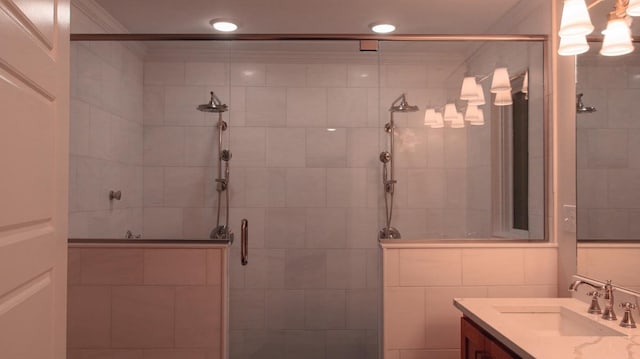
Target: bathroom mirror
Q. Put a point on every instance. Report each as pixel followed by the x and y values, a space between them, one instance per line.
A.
pixel 608 166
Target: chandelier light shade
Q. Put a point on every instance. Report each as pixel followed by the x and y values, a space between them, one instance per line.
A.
pixel 458 122
pixel 617 38
pixel 429 116
pixel 503 98
pixel 500 81
pixel 633 9
pixel 480 120
pixel 450 112
pixel 525 82
pixel 469 88
pixel 471 114
pixel 479 99
pixel 575 19
pixel 438 122
pixel 573 45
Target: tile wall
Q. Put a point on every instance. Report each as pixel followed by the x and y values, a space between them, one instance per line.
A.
pixel 610 261
pixel 140 302
pixel 420 284
pixel 310 195
pixel 607 149
pixel 105 140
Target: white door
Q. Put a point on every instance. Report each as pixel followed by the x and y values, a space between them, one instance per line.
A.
pixel 34 101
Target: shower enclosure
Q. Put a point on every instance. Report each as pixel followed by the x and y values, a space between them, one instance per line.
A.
pixel 305 118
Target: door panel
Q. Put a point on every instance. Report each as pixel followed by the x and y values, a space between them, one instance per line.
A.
pixel 34 97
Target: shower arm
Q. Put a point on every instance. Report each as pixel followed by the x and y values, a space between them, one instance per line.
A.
pixel 395 102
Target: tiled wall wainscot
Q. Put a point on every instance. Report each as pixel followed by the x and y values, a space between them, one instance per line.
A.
pixel 140 301
pixel 421 280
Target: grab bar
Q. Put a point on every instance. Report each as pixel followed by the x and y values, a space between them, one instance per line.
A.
pixel 244 242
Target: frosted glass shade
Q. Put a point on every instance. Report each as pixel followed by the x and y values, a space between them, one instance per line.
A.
pixel 573 45
pixel 525 83
pixel 617 39
pixel 500 81
pixel 469 88
pixel 438 122
pixel 633 9
pixel 471 114
pixel 450 112
pixel 479 99
pixel 575 19
pixel 429 116
pixel 503 98
pixel 458 122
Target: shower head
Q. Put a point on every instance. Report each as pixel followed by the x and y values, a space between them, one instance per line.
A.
pixel 401 105
pixel 214 105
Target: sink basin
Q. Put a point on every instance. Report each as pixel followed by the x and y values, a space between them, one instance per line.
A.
pixel 555 320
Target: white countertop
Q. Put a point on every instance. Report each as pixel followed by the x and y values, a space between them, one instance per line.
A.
pixel 518 336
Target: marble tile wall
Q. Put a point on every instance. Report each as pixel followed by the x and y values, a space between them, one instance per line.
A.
pixel 106 136
pixel 607 150
pixel 312 196
pixel 143 303
pixel 420 320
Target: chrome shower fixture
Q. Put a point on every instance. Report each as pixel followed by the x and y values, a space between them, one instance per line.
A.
pixel 401 105
pixel 581 108
pixel 388 167
pixel 221 231
pixel 214 105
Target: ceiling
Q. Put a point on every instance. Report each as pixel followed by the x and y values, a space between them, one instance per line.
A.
pixel 310 16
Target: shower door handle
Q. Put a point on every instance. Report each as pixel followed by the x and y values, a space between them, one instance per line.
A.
pixel 244 242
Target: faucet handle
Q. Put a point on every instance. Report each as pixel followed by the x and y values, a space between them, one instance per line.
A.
pixel 627 319
pixel 594 307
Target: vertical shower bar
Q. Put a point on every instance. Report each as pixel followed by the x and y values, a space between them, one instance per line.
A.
pixel 219 184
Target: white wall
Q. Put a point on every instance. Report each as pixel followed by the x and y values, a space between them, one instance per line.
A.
pixel 106 136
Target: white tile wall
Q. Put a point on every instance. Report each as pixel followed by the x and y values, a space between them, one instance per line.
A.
pixel 607 151
pixel 106 141
pixel 421 283
pixel 312 197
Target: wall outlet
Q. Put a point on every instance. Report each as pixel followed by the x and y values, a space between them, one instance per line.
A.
pixel 569 218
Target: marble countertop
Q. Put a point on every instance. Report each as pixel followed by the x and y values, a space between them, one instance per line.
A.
pixel 522 340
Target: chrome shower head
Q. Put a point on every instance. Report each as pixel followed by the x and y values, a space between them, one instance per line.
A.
pixel 401 105
pixel 214 105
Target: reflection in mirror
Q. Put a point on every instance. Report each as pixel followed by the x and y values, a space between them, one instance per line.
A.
pixel 608 167
pixel 466 179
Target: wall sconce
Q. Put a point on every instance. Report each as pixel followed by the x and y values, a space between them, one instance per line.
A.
pixel 576 25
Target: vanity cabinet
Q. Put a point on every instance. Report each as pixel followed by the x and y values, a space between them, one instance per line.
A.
pixel 477 344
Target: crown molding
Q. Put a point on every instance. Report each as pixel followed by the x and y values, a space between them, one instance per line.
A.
pixel 107 23
pixel 99 16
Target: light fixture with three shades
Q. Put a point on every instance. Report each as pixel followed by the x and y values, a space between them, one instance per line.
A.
pixel 576 24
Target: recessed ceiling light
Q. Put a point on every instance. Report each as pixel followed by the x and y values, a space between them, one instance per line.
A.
pixel 382 28
pixel 223 25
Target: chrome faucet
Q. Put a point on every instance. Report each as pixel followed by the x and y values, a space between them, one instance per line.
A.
pixel 608 313
pixel 594 308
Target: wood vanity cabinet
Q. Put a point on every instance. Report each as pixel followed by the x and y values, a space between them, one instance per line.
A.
pixel 478 344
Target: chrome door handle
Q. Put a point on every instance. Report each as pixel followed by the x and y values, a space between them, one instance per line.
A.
pixel 244 242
